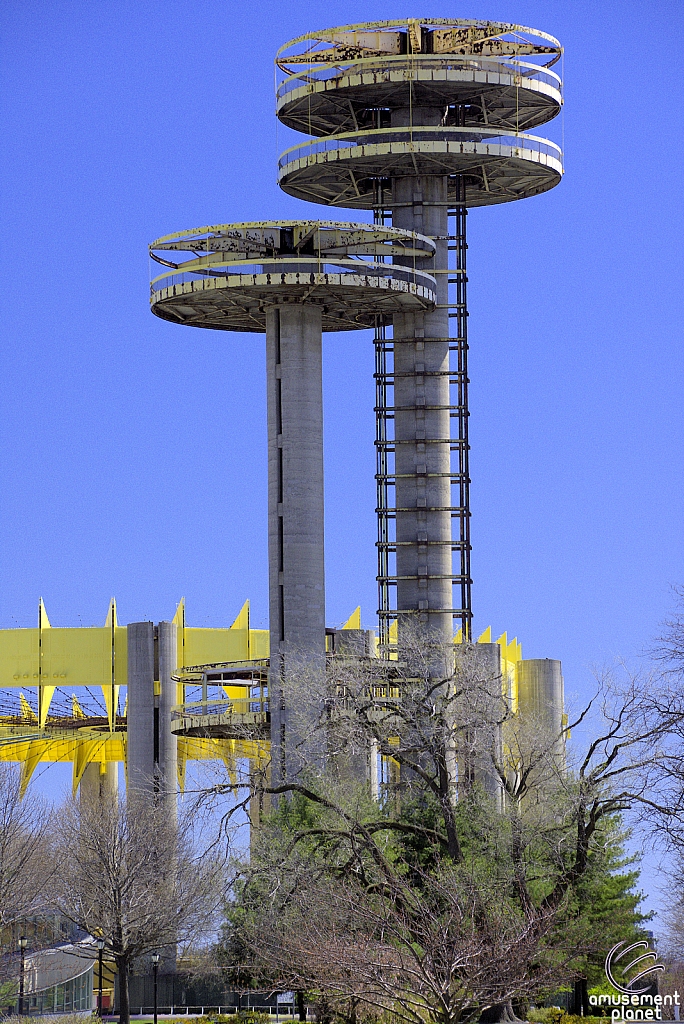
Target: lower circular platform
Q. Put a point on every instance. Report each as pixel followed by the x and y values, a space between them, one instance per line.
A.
pixel 236 272
pixel 238 302
pixel 346 170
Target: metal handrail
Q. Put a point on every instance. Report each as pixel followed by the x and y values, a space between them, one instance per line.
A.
pixel 333 34
pixel 314 74
pixel 234 706
pixel 439 133
pixel 183 674
pixel 347 268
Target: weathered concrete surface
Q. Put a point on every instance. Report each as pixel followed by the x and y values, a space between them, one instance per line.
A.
pixel 100 785
pixel 295 513
pixel 140 714
pixel 167 765
pixel 541 696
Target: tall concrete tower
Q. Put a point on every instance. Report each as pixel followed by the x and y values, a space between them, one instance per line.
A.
pixel 418 121
pixel 292 280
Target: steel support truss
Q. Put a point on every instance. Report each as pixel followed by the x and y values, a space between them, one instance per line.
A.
pixel 458 441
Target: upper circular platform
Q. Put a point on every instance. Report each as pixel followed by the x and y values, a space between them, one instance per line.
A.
pixel 476 73
pixel 348 170
pixel 235 272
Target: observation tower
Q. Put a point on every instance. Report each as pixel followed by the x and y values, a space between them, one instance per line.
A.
pixel 292 280
pixel 418 121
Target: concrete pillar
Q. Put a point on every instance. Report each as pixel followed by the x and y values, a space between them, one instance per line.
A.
pixel 140 712
pixel 152 747
pixel 541 696
pixel 167 762
pixel 354 643
pixel 421 399
pixel 374 769
pixel 295 512
pixel 259 802
pixel 487 742
pixel 151 750
pixel 98 784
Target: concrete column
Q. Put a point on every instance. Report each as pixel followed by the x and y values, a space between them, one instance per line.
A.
pixel 99 785
pixel 488 738
pixel 541 696
pixel 373 770
pixel 140 713
pixel 167 743
pixel 295 511
pixel 421 398
pixel 259 802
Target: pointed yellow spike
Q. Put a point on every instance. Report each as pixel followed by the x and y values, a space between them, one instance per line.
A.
pixel 43 621
pixel 111 614
pixel 179 617
pixel 354 620
pixel 76 709
pixel 242 620
pixel 45 695
pixel 458 639
pixel 26 710
pixel 512 650
pixel 81 760
pixel 486 637
pixel 35 750
pixel 502 641
pixel 179 621
pixel 226 751
pixel 110 691
pixel 111 699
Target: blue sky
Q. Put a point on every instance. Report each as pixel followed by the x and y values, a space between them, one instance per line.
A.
pixel 133 452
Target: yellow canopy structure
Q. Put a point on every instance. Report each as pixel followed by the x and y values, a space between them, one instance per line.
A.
pixel 60 689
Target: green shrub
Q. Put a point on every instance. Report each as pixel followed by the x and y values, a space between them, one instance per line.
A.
pixel 554 1015
pixel 243 1017
pixel 546 1015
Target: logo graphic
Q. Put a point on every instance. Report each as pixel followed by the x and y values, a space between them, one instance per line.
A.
pixel 629 982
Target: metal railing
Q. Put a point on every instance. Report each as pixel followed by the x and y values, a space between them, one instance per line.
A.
pixel 318 73
pixel 479 142
pixel 349 272
pixel 216 706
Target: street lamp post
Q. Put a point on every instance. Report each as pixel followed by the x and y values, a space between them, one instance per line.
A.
pixel 100 948
pixel 23 943
pixel 155 971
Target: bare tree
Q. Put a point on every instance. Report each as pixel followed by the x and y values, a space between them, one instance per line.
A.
pixel 444 946
pixel 25 866
pixel 25 862
pixel 130 875
pixel 477 791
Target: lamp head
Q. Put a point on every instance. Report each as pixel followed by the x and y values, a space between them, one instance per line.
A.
pixel 100 944
pixel 23 942
pixel 155 958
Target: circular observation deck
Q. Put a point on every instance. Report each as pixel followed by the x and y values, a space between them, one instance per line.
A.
pixel 245 715
pixel 354 169
pixel 234 272
pixel 474 73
